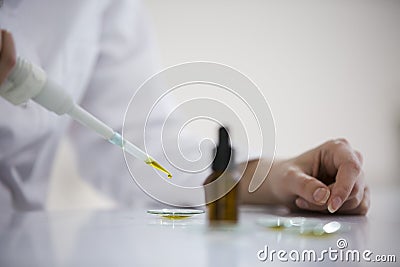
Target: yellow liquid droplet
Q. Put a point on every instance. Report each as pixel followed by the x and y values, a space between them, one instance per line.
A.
pixel 157 166
pixel 176 217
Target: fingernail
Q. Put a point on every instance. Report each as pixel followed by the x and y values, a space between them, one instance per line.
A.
pixel 321 195
pixel 301 203
pixel 335 204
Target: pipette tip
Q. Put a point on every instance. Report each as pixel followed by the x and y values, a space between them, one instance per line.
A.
pixel 157 166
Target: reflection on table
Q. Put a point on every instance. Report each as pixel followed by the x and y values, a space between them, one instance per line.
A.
pixel 135 238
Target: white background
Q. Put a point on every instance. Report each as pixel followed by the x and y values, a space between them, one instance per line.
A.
pixel 328 68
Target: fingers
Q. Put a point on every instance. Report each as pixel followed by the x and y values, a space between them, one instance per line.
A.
pixel 348 164
pixel 308 188
pixel 359 157
pixel 305 205
pixel 7 54
pixel 362 207
pixel 356 195
pixel 338 160
pixel 345 180
pixel 353 205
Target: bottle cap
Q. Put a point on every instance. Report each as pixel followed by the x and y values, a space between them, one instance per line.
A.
pixel 225 154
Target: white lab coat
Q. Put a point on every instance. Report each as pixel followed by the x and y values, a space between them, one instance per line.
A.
pixel 100 51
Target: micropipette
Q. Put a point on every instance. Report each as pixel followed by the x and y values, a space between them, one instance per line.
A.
pixel 27 81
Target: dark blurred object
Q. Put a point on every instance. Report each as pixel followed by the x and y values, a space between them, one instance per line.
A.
pixel 222 195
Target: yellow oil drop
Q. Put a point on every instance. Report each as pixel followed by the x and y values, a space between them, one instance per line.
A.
pixel 176 217
pixel 277 227
pixel 157 166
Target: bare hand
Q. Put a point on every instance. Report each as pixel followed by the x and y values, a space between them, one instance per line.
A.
pixel 327 178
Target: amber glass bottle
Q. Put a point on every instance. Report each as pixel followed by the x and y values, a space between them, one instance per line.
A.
pixel 221 187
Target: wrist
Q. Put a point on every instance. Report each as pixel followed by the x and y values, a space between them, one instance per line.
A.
pixel 265 193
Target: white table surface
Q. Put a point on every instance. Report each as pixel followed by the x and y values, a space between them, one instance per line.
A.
pixel 135 238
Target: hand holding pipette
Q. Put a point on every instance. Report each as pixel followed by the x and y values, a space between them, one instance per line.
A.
pixel 27 81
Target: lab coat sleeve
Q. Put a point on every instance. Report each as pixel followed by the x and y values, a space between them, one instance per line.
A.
pixel 125 61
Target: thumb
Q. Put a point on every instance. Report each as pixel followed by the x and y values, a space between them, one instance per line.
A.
pixel 310 189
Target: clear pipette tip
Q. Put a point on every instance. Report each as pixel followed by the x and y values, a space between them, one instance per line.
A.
pixel 133 150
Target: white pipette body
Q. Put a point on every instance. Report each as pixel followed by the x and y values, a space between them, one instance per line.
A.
pixel 27 81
